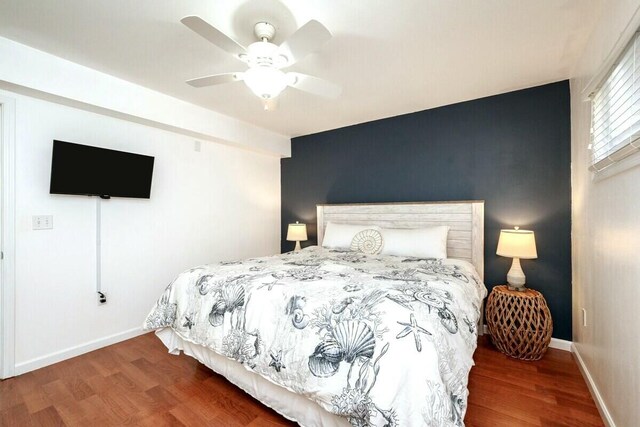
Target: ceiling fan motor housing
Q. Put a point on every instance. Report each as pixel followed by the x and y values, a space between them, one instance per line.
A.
pixel 264 54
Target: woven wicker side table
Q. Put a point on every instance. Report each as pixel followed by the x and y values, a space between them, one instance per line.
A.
pixel 519 322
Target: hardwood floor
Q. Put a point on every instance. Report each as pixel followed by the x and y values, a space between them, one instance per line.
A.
pixel 137 383
pixel 509 392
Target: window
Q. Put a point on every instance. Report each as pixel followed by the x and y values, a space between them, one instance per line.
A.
pixel 615 110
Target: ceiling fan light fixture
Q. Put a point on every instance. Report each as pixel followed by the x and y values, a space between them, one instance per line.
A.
pixel 265 82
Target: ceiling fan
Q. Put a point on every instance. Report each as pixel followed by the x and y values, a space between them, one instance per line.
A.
pixel 266 60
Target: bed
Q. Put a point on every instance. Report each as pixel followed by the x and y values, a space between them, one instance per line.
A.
pixel 332 337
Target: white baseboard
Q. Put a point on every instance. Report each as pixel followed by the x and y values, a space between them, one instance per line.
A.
pixel 555 342
pixel 58 356
pixel 561 344
pixel 595 393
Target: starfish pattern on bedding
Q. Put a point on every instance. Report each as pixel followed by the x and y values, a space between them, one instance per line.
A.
pixel 413 327
pixel 188 323
pixel 276 361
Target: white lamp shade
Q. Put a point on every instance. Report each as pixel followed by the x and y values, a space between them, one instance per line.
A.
pixel 265 82
pixel 517 244
pixel 297 232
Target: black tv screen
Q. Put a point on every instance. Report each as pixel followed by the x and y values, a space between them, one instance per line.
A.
pixel 85 170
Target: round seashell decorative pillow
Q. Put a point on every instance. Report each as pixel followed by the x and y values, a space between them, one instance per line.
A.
pixel 367 241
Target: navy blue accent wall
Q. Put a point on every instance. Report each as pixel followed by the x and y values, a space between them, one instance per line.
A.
pixel 510 150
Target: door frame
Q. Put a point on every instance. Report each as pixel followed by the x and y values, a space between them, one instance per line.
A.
pixel 7 236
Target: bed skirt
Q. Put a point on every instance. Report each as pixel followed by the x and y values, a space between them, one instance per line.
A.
pixel 288 404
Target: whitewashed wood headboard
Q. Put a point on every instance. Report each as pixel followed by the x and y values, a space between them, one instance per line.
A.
pixel 465 219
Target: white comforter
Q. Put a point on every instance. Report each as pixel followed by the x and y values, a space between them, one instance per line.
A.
pixel 380 340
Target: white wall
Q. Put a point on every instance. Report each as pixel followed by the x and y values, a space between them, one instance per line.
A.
pixel 220 203
pixel 606 244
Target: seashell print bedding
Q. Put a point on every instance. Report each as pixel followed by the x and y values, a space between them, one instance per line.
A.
pixel 380 340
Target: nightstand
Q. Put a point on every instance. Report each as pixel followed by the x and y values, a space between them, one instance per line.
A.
pixel 519 322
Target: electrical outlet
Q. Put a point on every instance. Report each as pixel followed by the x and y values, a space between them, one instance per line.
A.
pixel 584 317
pixel 42 222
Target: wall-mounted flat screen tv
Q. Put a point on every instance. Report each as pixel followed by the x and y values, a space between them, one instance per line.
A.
pixel 92 171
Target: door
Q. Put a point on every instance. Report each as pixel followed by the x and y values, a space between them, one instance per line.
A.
pixel 7 237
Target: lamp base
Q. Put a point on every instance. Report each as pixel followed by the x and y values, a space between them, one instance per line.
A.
pixel 516 278
pixel 298 247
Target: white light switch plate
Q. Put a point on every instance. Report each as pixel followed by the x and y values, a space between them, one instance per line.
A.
pixel 42 222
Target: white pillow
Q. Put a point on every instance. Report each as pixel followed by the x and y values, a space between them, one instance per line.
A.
pixel 341 235
pixel 416 242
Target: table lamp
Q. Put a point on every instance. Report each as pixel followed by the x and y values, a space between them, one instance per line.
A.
pixel 296 233
pixel 517 244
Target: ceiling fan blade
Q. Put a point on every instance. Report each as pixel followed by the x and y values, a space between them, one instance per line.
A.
pixel 314 85
pixel 215 36
pixel 216 79
pixel 310 37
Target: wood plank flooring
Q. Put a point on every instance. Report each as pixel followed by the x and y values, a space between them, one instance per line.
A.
pixel 137 383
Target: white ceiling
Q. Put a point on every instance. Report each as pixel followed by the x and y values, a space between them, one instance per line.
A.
pixel 391 57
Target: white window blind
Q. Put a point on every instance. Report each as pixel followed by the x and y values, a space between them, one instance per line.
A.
pixel 615 114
